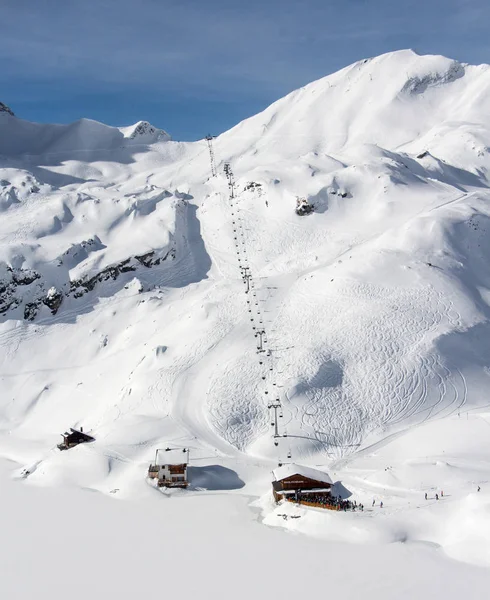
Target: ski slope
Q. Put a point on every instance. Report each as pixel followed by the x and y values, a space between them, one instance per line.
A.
pixel 123 309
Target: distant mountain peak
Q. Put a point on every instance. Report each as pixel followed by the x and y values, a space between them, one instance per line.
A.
pixel 143 129
pixel 5 108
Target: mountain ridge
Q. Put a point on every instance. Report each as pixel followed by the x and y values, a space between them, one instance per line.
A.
pixel 367 301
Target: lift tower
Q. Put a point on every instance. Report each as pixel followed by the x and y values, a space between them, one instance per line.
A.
pixel 209 139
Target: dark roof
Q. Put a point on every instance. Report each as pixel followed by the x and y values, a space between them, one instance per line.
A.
pixel 80 435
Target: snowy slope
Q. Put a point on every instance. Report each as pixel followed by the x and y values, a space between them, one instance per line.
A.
pixel 123 308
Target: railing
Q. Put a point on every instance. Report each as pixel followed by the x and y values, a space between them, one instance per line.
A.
pixel 314 504
pixel 172 484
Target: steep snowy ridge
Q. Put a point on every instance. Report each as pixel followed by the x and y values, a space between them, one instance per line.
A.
pixel 123 308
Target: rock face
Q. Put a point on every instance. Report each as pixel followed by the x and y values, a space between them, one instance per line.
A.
pixel 303 207
pixel 5 108
pixel 28 288
pixel 143 131
pixel 143 128
pixel 80 287
pixel 53 300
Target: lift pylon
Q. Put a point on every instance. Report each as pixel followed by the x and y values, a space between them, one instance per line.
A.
pixel 209 139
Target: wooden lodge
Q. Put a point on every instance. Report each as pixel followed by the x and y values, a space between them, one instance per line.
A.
pixel 171 470
pixel 303 485
pixel 73 438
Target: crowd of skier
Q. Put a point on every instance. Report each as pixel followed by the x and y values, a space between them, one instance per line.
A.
pixel 326 501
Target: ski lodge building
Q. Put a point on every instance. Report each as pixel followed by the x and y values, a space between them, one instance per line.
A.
pixel 171 470
pixel 73 438
pixel 291 482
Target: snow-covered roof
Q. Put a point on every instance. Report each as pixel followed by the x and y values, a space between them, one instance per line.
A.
pixel 175 456
pixel 309 472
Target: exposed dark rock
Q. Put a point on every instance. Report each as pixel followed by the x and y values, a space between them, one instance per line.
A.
pixel 13 303
pixel 24 277
pixel 303 207
pixel 252 185
pixel 53 300
pixel 149 261
pixel 143 128
pixel 5 108
pixel 82 286
pixel 33 298
pixel 30 311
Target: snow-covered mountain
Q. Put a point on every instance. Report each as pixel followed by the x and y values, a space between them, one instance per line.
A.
pixel 123 306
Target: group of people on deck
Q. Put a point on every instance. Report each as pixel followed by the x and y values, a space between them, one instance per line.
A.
pixel 327 501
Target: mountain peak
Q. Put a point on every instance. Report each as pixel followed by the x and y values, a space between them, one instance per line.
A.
pixel 5 108
pixel 143 131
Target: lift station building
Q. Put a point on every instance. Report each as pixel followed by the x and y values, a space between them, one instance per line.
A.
pixel 291 481
pixel 170 467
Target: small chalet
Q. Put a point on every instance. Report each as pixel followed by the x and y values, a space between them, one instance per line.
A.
pixel 73 438
pixel 296 483
pixel 170 468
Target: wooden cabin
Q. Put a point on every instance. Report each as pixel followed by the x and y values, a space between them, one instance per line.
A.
pixel 294 482
pixel 170 468
pixel 73 438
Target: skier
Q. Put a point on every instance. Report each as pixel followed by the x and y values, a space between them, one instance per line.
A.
pixel 437 496
pixel 478 489
pixel 426 495
pixel 381 504
pixel 374 501
pixel 442 493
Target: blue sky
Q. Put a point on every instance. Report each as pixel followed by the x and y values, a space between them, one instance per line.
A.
pixel 196 66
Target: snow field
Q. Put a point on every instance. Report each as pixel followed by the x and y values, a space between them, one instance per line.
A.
pixel 375 308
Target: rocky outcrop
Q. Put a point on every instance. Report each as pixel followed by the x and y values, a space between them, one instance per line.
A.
pixel 303 207
pixel 80 287
pixel 26 287
pixel 146 131
pixel 53 300
pixel 5 108
pixel 10 281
